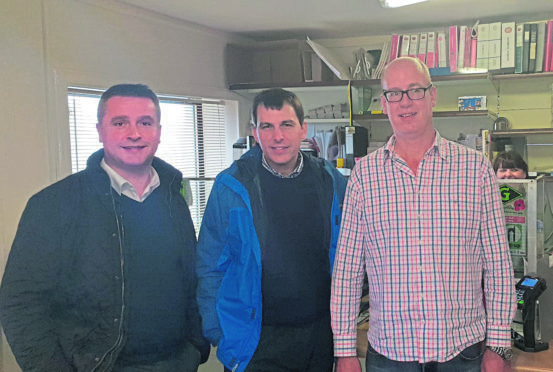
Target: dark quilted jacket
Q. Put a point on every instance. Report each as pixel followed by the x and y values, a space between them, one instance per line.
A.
pixel 62 295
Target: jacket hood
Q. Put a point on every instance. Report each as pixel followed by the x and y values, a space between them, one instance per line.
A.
pixel 248 163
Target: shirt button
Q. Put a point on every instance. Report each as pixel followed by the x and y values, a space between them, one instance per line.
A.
pixel 96 359
pixel 115 320
pixel 114 235
pixel 116 277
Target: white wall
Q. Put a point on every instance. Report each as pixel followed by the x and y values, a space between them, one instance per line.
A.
pixel 47 45
pixel 23 146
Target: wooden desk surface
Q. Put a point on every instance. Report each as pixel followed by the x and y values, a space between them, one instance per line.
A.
pixel 522 361
pixel 533 362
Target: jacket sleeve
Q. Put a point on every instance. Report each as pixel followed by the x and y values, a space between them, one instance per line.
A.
pixel 195 336
pixel 211 243
pixel 340 184
pixel 29 287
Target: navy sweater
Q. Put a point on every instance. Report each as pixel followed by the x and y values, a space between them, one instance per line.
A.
pixel 154 280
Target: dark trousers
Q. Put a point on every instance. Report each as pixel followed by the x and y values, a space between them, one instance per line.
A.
pixel 188 360
pixel 305 348
pixel 469 360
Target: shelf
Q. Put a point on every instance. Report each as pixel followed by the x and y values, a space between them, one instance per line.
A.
pixel 373 82
pixel 449 114
pixel 344 83
pixel 541 75
pixel 436 114
pixel 326 121
pixel 310 84
pixel 521 132
pixel 365 117
pixel 354 83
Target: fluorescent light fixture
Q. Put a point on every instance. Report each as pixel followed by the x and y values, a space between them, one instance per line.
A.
pixel 398 3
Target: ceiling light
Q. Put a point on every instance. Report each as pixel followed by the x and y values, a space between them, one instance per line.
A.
pixel 398 3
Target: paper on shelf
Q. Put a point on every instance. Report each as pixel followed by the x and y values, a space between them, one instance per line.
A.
pixel 333 62
pixel 322 138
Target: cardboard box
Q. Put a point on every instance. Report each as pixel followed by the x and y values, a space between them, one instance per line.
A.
pixel 472 103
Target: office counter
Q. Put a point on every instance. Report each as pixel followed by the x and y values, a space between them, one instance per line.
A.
pixel 533 362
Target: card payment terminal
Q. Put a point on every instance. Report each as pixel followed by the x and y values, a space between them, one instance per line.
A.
pixel 528 289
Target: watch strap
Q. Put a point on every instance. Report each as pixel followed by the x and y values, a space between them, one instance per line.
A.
pixel 504 352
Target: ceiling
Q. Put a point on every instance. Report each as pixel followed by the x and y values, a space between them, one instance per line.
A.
pixel 320 19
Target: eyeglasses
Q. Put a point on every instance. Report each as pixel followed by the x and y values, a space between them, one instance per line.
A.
pixel 413 94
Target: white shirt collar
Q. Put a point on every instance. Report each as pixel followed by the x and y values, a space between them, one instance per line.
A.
pixel 122 186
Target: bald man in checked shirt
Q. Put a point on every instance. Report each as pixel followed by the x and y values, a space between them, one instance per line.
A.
pixel 423 216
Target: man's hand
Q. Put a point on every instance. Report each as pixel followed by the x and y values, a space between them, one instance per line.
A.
pixel 491 362
pixel 348 364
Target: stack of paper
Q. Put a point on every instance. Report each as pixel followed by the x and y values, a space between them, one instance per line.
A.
pixel 322 140
pixel 377 73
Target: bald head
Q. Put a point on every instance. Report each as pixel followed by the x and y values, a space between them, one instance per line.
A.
pixel 402 64
pixel 407 81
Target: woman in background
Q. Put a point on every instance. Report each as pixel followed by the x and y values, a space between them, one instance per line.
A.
pixel 510 165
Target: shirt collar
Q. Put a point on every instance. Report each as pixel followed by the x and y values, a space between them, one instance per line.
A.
pixel 122 186
pixel 438 147
pixel 296 172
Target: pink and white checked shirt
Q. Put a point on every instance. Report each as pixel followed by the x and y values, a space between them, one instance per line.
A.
pixel 426 241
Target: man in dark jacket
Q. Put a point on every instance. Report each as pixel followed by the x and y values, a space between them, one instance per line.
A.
pixel 101 274
pixel 266 248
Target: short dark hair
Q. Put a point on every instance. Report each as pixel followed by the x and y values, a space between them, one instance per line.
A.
pixel 127 90
pixel 509 159
pixel 275 98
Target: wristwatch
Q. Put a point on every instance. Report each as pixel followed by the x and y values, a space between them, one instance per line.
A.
pixel 504 352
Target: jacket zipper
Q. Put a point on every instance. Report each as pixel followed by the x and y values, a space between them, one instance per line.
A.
pixel 120 234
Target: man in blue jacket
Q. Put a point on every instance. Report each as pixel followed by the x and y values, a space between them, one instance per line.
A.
pixel 266 248
pixel 101 274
